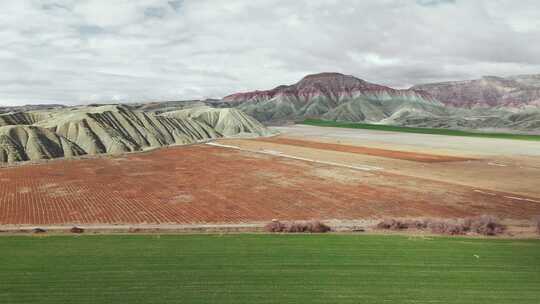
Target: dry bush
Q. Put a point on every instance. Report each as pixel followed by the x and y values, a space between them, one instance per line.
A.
pixel 392 224
pixel 421 225
pixel 317 227
pixel 450 227
pixel 487 225
pixel 274 226
pixel 77 230
pixel 536 223
pixel 39 230
pixel 297 227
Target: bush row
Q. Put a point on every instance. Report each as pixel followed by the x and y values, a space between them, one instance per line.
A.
pixel 297 227
pixel 485 225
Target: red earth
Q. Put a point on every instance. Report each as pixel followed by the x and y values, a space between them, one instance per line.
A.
pixel 208 184
pixel 403 155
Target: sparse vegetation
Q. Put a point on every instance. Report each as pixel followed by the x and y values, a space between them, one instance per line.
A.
pixel 76 230
pixel 537 223
pixel 449 132
pixel 297 227
pixel 392 224
pixel 449 227
pixel 484 225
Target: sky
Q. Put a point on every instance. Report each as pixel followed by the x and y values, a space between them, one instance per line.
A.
pixel 94 51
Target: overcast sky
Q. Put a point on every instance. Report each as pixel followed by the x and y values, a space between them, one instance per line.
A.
pixel 78 51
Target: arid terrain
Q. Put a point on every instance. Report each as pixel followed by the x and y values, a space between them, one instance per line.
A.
pixel 300 174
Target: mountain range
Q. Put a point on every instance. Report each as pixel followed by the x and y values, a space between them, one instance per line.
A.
pixel 512 93
pixel 511 103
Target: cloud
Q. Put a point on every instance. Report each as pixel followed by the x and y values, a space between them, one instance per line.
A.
pixel 434 2
pixel 80 51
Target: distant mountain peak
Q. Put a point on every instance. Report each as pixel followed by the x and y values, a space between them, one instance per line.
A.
pixel 324 74
pixel 329 95
pixel 315 84
pixel 330 79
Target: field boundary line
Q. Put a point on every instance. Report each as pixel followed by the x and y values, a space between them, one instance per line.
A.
pixel 280 154
pixel 164 227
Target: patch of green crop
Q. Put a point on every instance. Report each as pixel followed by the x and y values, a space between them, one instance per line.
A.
pixel 260 268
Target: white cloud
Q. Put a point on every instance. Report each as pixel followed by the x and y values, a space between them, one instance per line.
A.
pixel 78 51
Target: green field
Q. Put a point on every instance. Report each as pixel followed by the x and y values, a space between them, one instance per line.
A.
pixel 259 268
pixel 449 132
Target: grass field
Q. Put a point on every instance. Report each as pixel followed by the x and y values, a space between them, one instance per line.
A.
pixel 354 125
pixel 267 269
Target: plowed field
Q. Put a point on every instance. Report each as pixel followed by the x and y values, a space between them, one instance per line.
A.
pixel 207 184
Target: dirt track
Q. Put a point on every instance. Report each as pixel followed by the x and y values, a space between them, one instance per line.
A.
pixel 205 184
pixel 404 155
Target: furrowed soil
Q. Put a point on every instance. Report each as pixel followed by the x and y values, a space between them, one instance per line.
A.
pixel 208 184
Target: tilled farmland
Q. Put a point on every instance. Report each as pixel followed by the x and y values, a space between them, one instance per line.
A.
pixel 208 184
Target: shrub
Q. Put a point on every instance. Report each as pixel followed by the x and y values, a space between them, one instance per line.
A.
pixel 487 225
pixel 423 224
pixel 274 226
pixel 77 230
pixel 297 227
pixel 317 227
pixel 391 224
pixel 450 227
pixel 537 224
pixel 39 230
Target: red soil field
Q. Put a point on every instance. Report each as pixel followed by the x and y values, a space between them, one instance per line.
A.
pixel 208 184
pixel 403 155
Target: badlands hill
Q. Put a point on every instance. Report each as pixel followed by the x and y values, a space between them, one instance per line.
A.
pixel 512 93
pixel 21 143
pixel 227 122
pixel 28 108
pixel 113 129
pixel 22 118
pixel 338 97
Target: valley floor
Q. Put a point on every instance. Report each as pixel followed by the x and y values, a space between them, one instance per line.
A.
pixel 305 173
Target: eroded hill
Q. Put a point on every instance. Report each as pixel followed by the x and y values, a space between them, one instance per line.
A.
pixel 113 129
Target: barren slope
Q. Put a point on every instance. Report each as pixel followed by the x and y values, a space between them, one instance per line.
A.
pixel 227 122
pixel 117 129
pixel 21 143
